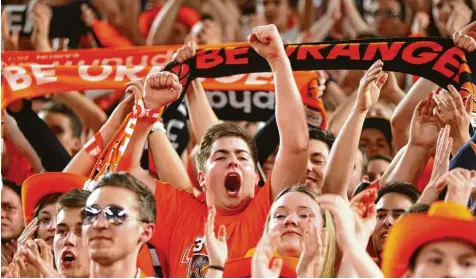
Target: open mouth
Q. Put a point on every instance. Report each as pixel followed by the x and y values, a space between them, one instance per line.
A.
pixel 67 259
pixel 384 235
pixel 310 179
pixel 232 184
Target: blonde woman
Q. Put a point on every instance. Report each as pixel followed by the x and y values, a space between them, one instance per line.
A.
pixel 298 235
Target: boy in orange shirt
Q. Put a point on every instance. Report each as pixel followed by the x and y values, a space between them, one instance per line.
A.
pixel 227 173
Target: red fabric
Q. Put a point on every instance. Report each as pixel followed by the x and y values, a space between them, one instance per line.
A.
pixel 108 36
pixel 425 176
pixel 20 168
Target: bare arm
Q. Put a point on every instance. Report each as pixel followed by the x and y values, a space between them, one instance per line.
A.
pixel 383 180
pixel 159 90
pixel 167 162
pixel 130 26
pixel 423 135
pixel 162 26
pixel 403 113
pixel 358 23
pixel 225 15
pixel 339 168
pixel 83 162
pixel 319 29
pixel 341 113
pixel 202 116
pixel 91 114
pixel 291 159
pixel 306 13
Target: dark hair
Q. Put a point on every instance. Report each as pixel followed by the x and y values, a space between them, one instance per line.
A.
pixel 402 188
pixel 418 208
pixel 473 209
pixel 380 157
pixel 220 131
pixel 145 197
pixel 44 201
pixel 76 198
pixel 206 16
pixel 12 185
pixel 321 135
pixel 433 30
pixel 76 125
pixel 362 187
pixel 412 262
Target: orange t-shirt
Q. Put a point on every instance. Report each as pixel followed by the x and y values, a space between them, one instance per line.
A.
pixel 180 224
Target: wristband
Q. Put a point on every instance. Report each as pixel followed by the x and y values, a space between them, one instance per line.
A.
pixel 158 126
pixel 216 267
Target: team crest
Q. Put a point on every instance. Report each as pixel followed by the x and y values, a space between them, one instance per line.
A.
pixel 197 267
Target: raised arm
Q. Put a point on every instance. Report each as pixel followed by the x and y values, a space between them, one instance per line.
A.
pixel 159 90
pixel 202 116
pixel 403 112
pixel 423 135
pixel 83 162
pixel 92 116
pixel 291 159
pixel 167 162
pixel 162 26
pixel 351 12
pixel 339 168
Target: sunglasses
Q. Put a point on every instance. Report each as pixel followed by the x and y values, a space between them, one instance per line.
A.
pixel 115 215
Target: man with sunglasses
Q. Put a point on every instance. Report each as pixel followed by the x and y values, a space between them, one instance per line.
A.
pixel 71 253
pixel 117 220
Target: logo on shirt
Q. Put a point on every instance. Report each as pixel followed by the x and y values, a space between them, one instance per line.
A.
pixel 196 258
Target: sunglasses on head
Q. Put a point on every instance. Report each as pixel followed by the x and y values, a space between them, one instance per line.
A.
pixel 115 215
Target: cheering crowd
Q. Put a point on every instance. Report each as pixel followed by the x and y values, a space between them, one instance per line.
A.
pixel 364 173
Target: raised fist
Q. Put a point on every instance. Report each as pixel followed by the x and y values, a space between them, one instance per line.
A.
pixel 161 89
pixel 186 52
pixel 266 41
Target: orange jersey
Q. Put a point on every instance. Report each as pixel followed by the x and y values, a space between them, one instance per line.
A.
pixel 180 222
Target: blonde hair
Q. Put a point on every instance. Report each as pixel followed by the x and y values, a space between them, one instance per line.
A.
pixel 328 269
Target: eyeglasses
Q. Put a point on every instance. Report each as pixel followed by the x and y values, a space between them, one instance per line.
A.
pixel 115 215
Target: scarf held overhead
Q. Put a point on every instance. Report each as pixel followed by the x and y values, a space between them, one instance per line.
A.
pixel 436 59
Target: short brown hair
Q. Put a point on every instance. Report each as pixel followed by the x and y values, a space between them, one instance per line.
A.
pixel 219 131
pixel 144 195
pixel 76 198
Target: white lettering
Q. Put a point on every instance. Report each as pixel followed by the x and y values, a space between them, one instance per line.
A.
pixel 83 73
pixel 264 100
pixel 123 71
pixel 42 76
pixel 217 99
pixel 245 104
pixel 16 77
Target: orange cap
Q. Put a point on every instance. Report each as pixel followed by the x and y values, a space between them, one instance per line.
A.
pixel 40 185
pixel 241 267
pixel 444 220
